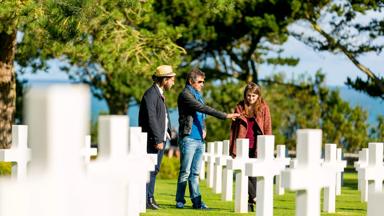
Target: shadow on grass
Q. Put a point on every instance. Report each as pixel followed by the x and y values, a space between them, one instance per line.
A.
pixel 350 183
pixel 186 207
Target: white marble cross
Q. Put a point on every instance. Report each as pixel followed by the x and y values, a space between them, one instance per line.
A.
pixel 241 184
pixel 375 204
pixel 207 151
pixel 341 163
pixel 54 181
pixel 138 150
pixel 265 167
pixel 280 156
pixel 117 162
pixel 331 163
pixel 202 167
pixel 374 172
pixel 360 165
pixel 210 156
pixel 108 171
pixel 308 177
pixel 227 183
pixel 218 168
pixel 57 171
pixel 19 153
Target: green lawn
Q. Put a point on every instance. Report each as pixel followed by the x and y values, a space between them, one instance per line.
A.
pixel 346 204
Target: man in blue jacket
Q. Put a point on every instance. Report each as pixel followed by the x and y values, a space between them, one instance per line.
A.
pixel 192 111
pixel 154 119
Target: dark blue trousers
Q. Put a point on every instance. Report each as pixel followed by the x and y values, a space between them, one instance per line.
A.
pixel 153 174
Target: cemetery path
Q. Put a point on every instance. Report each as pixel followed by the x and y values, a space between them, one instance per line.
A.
pixel 348 203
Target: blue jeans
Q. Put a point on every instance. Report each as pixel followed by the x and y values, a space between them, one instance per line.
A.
pixel 191 155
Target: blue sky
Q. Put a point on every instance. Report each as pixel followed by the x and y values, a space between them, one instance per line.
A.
pixel 337 67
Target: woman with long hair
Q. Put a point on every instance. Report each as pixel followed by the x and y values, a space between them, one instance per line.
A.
pixel 255 120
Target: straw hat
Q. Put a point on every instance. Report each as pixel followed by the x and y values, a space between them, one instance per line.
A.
pixel 164 71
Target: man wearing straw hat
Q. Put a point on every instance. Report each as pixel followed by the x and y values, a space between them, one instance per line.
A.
pixel 154 119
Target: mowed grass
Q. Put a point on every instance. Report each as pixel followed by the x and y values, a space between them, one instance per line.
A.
pixel 348 203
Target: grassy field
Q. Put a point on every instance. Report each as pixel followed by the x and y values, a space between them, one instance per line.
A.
pixel 346 204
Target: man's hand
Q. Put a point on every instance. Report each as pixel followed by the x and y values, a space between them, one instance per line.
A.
pixel 159 146
pixel 233 116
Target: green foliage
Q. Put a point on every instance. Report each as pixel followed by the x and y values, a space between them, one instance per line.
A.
pixel 222 96
pixel 313 105
pixel 5 168
pixel 102 43
pixel 233 41
pixel 368 86
pixel 13 13
pixel 344 125
pixel 377 133
pixel 169 168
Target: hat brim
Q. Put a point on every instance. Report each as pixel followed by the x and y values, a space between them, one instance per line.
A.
pixel 165 75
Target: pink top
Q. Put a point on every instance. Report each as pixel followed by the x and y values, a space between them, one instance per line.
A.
pixel 250 132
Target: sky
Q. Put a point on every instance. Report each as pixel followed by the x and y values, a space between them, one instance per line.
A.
pixel 337 67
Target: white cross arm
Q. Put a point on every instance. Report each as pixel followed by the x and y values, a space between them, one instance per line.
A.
pixel 10 155
pixel 304 178
pixel 336 167
pixel 222 160
pixel 372 173
pixel 261 168
pixel 236 164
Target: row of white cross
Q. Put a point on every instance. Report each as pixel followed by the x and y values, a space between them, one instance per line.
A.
pixel 370 169
pixel 307 175
pixel 20 154
pixel 60 179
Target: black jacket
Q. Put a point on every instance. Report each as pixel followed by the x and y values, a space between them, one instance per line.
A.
pixel 188 105
pixel 152 117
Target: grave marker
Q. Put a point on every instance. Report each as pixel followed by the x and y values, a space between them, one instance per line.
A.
pixel 19 153
pixel 308 177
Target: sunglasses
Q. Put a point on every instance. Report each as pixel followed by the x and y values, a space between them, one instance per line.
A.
pixel 200 82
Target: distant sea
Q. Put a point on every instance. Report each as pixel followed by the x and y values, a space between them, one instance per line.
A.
pixel 100 106
pixel 374 107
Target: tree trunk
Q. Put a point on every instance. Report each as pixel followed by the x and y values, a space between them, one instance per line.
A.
pixel 7 87
pixel 255 74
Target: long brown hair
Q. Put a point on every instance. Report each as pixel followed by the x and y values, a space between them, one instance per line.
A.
pixel 251 110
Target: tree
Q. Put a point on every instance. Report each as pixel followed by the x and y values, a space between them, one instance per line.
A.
pixel 223 96
pixel 317 106
pixel 377 133
pixel 342 27
pixel 103 44
pixel 230 38
pixel 12 14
